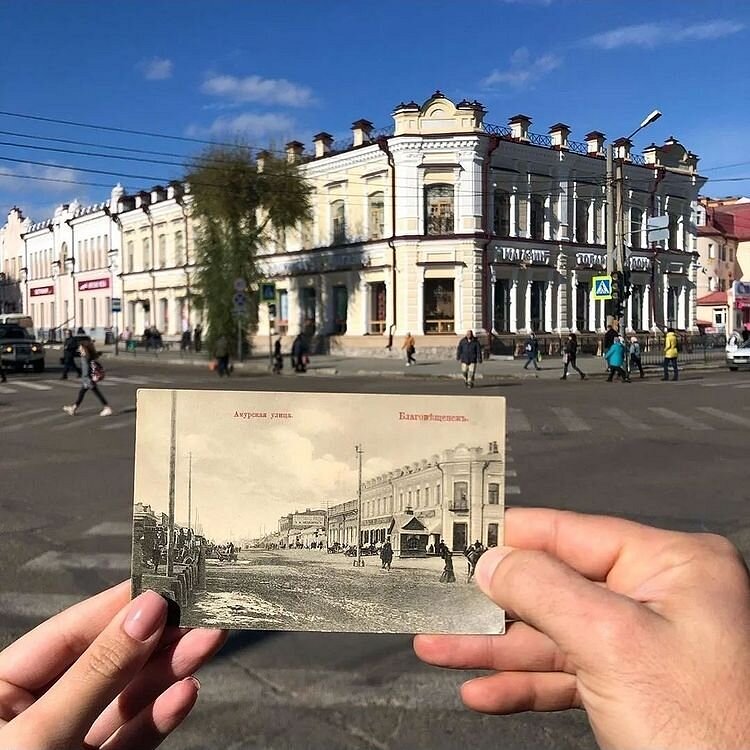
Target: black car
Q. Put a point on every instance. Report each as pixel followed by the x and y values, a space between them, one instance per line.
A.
pixel 19 348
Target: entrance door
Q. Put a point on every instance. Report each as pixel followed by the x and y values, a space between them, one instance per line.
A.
pixel 502 305
pixel 537 305
pixel 377 307
pixel 460 534
pixel 340 305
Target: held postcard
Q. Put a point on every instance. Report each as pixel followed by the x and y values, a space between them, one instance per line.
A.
pixel 319 511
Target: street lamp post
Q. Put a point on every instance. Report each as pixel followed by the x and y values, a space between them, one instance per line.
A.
pixel 56 267
pixel 358 450
pixel 113 268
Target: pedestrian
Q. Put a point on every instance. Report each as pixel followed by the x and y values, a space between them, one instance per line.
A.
pixel 91 373
pixel 185 341
pixel 469 354
pixel 386 556
pixel 635 355
pixel 609 338
pixel 409 346
pixel 198 337
pixel 670 353
pixel 127 338
pixel 278 358
pixel 472 554
pixel 447 576
pixel 221 352
pixel 615 357
pixel 70 349
pixel 531 349
pixel 569 357
pixel 299 354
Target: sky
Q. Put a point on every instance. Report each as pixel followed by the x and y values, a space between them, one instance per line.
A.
pixel 238 485
pixel 266 73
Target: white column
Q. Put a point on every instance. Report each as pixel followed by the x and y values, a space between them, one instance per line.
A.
pixel 681 232
pixel 562 290
pixel 646 313
pixel 513 211
pixel 665 297
pixel 528 204
pixel 514 305
pixel 493 280
pixel 574 301
pixel 629 314
pixel 547 217
pixel 592 309
pixel 418 326
pixel 364 306
pixel 458 300
pixel 681 307
pixel 644 228
pixel 527 308
pixel 573 230
pixel 548 306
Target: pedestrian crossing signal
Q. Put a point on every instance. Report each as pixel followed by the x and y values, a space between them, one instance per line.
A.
pixel 602 286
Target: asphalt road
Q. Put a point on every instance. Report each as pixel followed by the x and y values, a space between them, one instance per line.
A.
pixel 670 454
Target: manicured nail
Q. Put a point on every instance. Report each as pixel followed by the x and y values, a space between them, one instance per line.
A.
pixel 488 563
pixel 196 681
pixel 147 615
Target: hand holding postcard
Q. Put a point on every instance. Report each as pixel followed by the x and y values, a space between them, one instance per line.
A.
pixel 318 511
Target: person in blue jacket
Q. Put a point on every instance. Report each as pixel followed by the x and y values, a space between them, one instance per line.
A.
pixel 615 357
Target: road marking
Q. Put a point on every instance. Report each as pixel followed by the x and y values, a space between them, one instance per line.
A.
pixel 517 421
pixel 570 421
pixel 5 390
pixel 713 384
pixel 681 419
pixel 30 412
pixel 32 386
pixel 111 528
pixel 118 425
pixel 56 561
pixel 726 416
pixel 512 489
pixel 63 383
pixel 627 420
pixel 36 606
pixel 742 385
pixel 76 421
pixel 33 422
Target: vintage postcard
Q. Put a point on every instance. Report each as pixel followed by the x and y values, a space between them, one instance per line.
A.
pixel 319 511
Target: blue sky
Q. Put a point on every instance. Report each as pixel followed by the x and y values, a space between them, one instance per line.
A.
pixel 271 71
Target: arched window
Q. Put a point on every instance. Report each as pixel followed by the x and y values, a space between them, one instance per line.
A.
pixel 376 215
pixel 438 209
pixel 338 222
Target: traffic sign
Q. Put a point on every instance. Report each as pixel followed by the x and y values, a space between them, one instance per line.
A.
pixel 240 285
pixel 116 304
pixel 239 300
pixel 268 291
pixel 658 222
pixel 602 287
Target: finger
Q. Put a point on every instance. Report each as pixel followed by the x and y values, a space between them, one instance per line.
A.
pixel 154 723
pixel 554 599
pixel 13 700
pixel 589 544
pixel 513 692
pixel 65 713
pixel 521 649
pixel 187 656
pixel 38 657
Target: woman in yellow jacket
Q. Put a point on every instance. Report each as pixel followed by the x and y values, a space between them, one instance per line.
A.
pixel 670 353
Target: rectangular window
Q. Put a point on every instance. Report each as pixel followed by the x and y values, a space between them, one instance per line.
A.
pixel 81 310
pixel 438 306
pixel 636 225
pixel 338 223
pixel 282 320
pixel 537 217
pixel 162 250
pixel 720 318
pixel 582 306
pixel 99 259
pixel 418 498
pixel 108 311
pixel 582 221
pixel 377 307
pixel 460 496
pixel 711 251
pixel 673 230
pixel 438 209
pixel 636 305
pixel 493 493
pixel 503 290
pixel 538 303
pixel 376 216
pixel 427 497
pixel 492 534
pixel 672 296
pixel 522 225
pixel 437 494
pixel 179 248
pixel 340 307
pixel 130 247
pixel 460 534
pixel 502 213
pixel 93 312
pixel 146 254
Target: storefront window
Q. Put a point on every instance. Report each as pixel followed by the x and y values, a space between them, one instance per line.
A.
pixel 582 306
pixel 376 216
pixel 502 213
pixel 537 305
pixel 502 305
pixel 460 496
pixel 377 307
pixel 438 306
pixel 438 209
pixel 307 300
pixel 340 305
pixel 459 537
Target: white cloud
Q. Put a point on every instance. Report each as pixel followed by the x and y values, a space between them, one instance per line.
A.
pixel 156 69
pixel 523 71
pixel 248 124
pixel 652 35
pixel 32 178
pixel 258 89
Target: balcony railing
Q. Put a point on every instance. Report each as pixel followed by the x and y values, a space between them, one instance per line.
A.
pixel 537 139
pixel 578 148
pixel 459 507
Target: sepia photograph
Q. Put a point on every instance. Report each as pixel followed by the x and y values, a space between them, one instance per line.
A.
pixel 319 511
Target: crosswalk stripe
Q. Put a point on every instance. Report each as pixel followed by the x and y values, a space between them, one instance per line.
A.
pixel 62 383
pixel 7 391
pixel 742 385
pixel 54 560
pixel 625 419
pixel 35 606
pixel 118 425
pixel 517 421
pixel 681 419
pixel 725 416
pixel 571 421
pixel 31 412
pixel 111 528
pixel 32 386
pixel 32 422
pixel 76 421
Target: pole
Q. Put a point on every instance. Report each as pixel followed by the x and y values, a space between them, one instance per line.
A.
pixel 358 449
pixel 172 456
pixel 239 338
pixel 190 491
pixel 610 229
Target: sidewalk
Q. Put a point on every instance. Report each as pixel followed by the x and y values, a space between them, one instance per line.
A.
pixel 500 368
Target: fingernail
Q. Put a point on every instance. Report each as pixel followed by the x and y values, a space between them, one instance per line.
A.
pixel 488 563
pixel 147 615
pixel 196 681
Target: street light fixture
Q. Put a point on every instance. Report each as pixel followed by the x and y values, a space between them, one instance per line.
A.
pixel 653 117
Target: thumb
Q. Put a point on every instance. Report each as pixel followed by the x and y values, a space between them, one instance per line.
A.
pixel 579 615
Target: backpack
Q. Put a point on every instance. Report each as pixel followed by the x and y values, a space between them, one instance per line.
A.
pixel 97 371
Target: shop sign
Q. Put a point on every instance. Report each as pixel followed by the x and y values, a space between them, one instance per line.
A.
pixel 533 255
pixel 41 291
pixel 639 263
pixel 318 263
pixel 92 284
pixel 591 260
pixel 741 291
